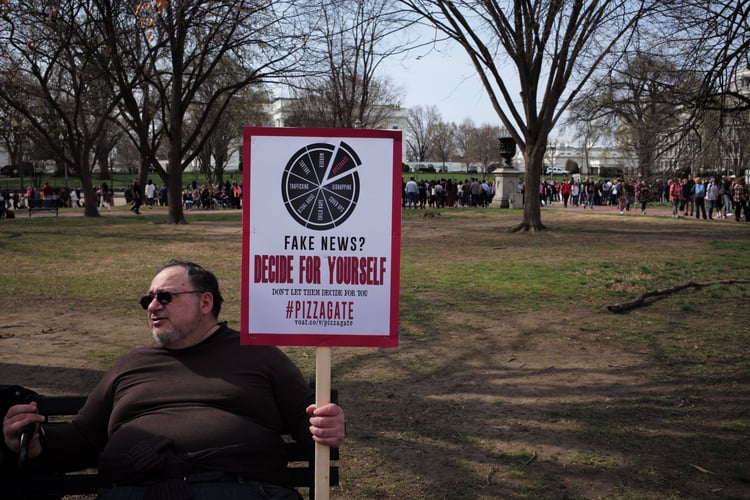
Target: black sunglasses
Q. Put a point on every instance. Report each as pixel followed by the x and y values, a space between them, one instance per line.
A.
pixel 163 298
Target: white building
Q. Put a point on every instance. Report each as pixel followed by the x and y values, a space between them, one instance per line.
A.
pixel 278 110
pixel 741 82
pixel 594 161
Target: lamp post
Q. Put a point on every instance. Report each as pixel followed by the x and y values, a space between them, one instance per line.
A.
pixel 19 137
pixel 112 155
pixel 694 148
pixel 552 148
pixel 61 137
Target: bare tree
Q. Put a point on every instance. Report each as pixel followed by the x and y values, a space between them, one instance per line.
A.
pixel 321 106
pixel 189 40
pixel 136 55
pixel 462 137
pixel 644 104
pixel 715 40
pixel 444 139
pixel 354 38
pixel 725 144
pixel 554 48
pixel 16 135
pixel 716 43
pixel 421 124
pixel 483 146
pixel 675 85
pixel 246 109
pixel 111 136
pixel 55 70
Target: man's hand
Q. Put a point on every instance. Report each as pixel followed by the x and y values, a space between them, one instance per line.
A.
pixel 18 417
pixel 327 424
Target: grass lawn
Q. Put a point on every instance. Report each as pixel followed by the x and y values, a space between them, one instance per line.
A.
pixel 511 380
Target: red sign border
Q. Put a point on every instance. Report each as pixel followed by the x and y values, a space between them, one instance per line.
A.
pixel 322 340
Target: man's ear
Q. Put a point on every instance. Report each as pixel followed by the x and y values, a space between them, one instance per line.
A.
pixel 207 302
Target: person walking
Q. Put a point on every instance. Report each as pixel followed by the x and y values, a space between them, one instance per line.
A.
pixel 619 192
pixel 725 191
pixel 565 190
pixel 106 197
pixel 712 198
pixel 137 196
pixel 740 199
pixel 150 192
pixel 699 198
pixel 642 194
pixel 575 192
pixel 687 195
pixel 589 191
pixel 74 198
pixel 675 197
pixel 411 193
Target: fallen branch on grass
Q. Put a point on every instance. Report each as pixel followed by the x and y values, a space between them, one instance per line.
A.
pixel 701 469
pixel 641 299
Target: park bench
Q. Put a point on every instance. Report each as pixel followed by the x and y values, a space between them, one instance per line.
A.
pixel 30 482
pixel 44 205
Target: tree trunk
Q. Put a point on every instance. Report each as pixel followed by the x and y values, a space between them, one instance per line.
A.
pixel 89 194
pixel 174 182
pixel 104 168
pixel 174 195
pixel 85 175
pixel 532 210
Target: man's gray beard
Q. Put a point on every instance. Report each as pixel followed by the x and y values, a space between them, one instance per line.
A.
pixel 169 336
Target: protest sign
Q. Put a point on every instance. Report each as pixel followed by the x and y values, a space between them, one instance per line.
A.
pixel 321 237
pixel 320 245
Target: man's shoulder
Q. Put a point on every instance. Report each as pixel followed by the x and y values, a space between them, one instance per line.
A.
pixel 231 336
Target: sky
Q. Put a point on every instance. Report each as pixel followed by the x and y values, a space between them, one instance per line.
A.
pixel 445 79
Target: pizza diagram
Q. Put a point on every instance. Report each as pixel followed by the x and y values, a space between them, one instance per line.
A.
pixel 320 186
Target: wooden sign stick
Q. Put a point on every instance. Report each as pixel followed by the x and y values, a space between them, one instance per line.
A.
pixel 322 397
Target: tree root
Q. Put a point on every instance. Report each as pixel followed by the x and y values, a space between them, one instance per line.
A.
pixel 641 299
pixel 528 228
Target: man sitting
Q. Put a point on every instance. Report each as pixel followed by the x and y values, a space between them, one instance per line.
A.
pixel 195 415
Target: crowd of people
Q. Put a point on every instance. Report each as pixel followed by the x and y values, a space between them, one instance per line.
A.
pixel 194 196
pixel 227 195
pixel 727 196
pixel 587 193
pixel 19 199
pixel 63 197
pixel 710 199
pixel 446 193
pixel 224 195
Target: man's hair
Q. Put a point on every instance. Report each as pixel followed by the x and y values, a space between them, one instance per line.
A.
pixel 201 278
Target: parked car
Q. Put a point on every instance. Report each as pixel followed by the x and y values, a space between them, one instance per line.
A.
pixel 421 167
pixel 556 171
pixel 473 169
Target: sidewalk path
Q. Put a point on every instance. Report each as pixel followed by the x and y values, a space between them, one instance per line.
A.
pixel 635 211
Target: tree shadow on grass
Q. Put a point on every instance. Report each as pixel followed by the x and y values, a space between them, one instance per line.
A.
pixel 469 420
